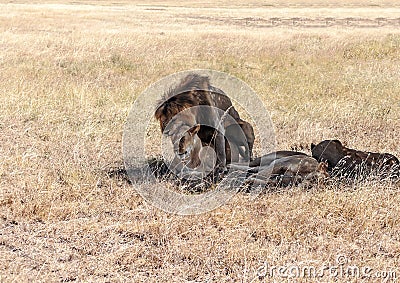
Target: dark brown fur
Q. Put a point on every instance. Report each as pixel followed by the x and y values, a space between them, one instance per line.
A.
pixel 192 91
pixel 284 168
pixel 267 159
pixel 347 162
pixel 195 90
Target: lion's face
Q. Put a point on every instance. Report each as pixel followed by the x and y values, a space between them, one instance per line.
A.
pixel 185 141
pixel 328 150
pixel 185 146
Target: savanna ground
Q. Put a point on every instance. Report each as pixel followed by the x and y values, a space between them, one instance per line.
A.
pixel 68 77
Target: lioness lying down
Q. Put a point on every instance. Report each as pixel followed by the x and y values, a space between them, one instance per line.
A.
pixel 284 168
pixel 350 163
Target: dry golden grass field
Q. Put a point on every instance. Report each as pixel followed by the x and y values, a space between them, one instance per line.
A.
pixel 69 74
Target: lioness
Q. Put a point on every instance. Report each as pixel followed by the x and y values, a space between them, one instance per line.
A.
pixel 284 168
pixel 351 163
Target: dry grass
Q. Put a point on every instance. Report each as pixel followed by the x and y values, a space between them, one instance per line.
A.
pixel 69 75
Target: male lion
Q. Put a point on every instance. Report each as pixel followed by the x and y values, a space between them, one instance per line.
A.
pixel 194 104
pixel 351 163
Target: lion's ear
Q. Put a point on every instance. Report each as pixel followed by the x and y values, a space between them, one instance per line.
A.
pixel 338 142
pixel 312 146
pixel 194 130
